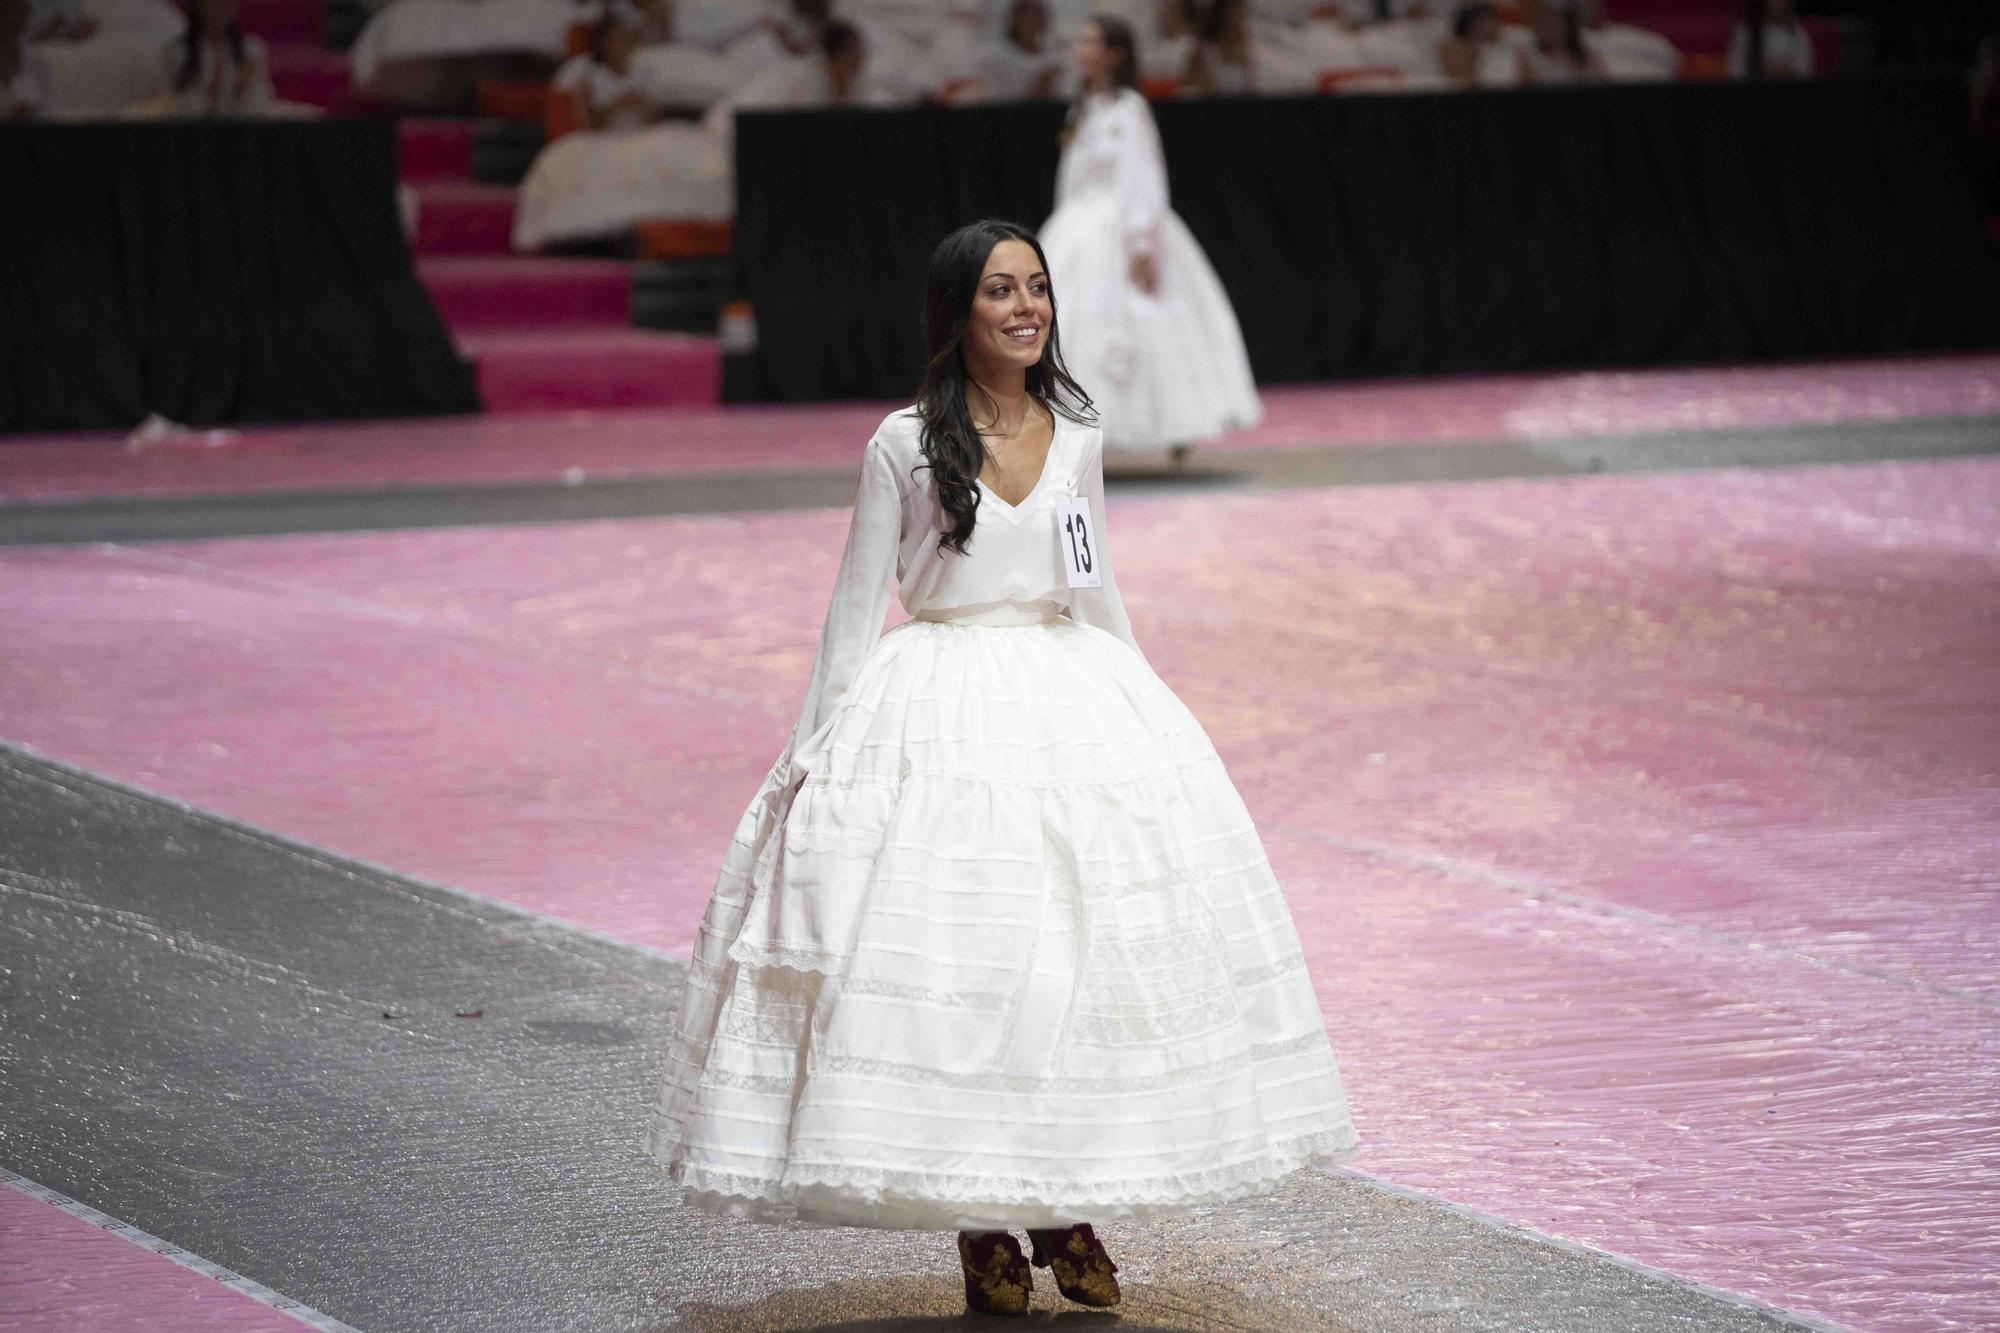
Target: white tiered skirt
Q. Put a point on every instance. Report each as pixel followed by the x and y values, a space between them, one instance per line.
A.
pixel 1011 955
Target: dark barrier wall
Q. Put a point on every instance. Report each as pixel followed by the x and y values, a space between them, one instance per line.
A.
pixel 1396 235
pixel 226 271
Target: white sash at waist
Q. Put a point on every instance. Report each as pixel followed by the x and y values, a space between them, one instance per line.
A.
pixel 1000 613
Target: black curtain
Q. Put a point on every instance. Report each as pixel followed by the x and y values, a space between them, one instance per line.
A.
pixel 1417 234
pixel 223 271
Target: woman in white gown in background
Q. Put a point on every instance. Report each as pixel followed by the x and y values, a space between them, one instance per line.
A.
pixel 996 944
pixel 1154 338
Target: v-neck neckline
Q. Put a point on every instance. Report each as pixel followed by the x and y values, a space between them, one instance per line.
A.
pixel 1048 462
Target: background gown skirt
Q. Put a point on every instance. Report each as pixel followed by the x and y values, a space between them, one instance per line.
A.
pixel 1163 369
pixel 1011 955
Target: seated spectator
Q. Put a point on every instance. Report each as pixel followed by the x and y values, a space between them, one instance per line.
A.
pixel 1626 52
pixel 775 39
pixel 1558 53
pixel 1170 40
pixel 1023 63
pixel 1225 58
pixel 594 184
pixel 1770 43
pixel 607 96
pixel 60 21
pixel 23 87
pixel 674 70
pixel 1476 53
pixel 432 53
pixel 105 61
pixel 214 68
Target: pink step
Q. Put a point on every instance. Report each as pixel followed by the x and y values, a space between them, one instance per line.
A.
pixel 594 368
pixel 309 74
pixel 528 293
pixel 461 218
pixel 434 150
pixel 302 21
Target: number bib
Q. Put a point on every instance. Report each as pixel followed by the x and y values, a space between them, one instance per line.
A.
pixel 1076 532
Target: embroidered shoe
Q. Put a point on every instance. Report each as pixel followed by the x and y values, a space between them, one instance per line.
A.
pixel 1083 1270
pixel 997 1278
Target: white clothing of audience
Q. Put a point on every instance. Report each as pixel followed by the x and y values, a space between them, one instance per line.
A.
pixel 597 183
pixel 1166 57
pixel 1787 51
pixel 25 94
pixel 601 87
pixel 116 66
pixel 1007 73
pixel 1633 53
pixel 439 29
pixel 221 86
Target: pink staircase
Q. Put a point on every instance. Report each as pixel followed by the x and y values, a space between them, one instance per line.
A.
pixel 458 217
pixel 546 333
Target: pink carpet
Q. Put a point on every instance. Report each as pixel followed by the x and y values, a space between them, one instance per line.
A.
pixel 61 1274
pixel 1641 829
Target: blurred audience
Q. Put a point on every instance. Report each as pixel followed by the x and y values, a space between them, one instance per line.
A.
pixel 23 83
pixel 1025 63
pixel 1475 52
pixel 213 68
pixel 1770 42
pixel 628 167
pixel 1559 54
pixel 606 94
pixel 1624 50
pixel 1224 59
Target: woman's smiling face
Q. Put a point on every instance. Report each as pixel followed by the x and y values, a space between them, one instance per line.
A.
pixel 1011 311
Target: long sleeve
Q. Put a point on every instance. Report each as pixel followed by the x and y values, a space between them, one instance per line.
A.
pixel 1102 607
pixel 861 592
pixel 1142 176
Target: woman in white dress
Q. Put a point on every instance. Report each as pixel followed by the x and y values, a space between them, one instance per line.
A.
pixel 1153 333
pixel 996 944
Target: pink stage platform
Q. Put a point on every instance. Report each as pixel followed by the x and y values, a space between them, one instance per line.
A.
pixel 1641 829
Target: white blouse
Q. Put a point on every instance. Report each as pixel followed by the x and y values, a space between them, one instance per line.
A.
pixel 1012 571
pixel 1116 154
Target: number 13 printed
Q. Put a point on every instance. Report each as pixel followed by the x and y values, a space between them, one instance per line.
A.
pixel 1078 532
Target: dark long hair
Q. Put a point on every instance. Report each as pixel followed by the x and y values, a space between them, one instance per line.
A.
pixel 191 48
pixel 952 448
pixel 1117 34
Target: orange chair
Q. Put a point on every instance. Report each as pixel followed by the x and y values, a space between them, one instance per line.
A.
pixel 1161 86
pixel 1702 66
pixel 1362 76
pixel 686 240
pixel 562 111
pixel 511 99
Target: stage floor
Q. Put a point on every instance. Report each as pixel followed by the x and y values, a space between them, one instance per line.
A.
pixel 1640 827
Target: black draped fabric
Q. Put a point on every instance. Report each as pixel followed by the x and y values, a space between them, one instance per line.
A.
pixel 1416 234
pixel 224 271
